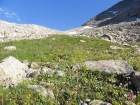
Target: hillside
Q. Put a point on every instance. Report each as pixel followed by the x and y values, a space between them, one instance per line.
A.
pixel 66 70
pixel 73 67
pixel 124 11
pixel 119 24
pixel 13 31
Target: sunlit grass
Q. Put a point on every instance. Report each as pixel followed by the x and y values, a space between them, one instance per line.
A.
pixel 64 51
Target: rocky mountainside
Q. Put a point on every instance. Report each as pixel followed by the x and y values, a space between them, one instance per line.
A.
pixel 120 23
pixel 124 11
pixel 12 31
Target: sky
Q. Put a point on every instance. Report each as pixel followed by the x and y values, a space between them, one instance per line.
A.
pixel 56 14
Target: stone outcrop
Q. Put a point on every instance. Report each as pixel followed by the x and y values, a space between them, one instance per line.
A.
pixel 12 71
pixel 10 48
pixel 121 21
pixel 43 91
pixel 123 32
pixel 110 66
pixel 12 31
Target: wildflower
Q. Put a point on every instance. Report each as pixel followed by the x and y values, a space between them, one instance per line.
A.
pixel 125 95
pixel 42 99
pixel 131 95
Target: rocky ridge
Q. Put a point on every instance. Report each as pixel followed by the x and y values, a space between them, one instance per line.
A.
pixel 12 31
pixel 119 33
pixel 123 11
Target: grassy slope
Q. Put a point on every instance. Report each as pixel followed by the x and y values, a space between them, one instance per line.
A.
pixel 64 51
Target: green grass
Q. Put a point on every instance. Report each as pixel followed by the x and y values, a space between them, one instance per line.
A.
pixel 65 51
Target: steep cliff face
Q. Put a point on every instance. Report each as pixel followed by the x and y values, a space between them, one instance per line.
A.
pixel 123 11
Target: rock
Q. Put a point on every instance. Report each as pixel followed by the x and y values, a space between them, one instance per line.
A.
pixel 12 71
pixel 134 82
pixel 53 38
pixel 76 67
pixel 29 71
pixel 115 47
pixel 34 65
pixel 34 74
pixel 87 100
pixel 134 46
pixel 138 49
pixel 46 70
pixel 84 104
pixel 125 44
pixel 82 41
pixel 107 37
pixel 99 102
pixel 110 66
pixel 12 31
pixel 60 73
pixel 129 103
pixel 43 91
pixel 26 62
pixel 10 48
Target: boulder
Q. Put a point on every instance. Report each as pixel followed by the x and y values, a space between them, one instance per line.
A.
pixel 110 66
pixel 82 41
pixel 10 48
pixel 115 47
pixel 47 70
pixel 129 103
pixel 60 73
pixel 99 102
pixel 34 65
pixel 138 49
pixel 12 71
pixel 34 74
pixel 43 91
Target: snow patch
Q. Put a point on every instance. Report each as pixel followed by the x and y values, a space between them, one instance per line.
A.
pixel 138 19
pixel 72 33
pixel 87 27
pixel 114 12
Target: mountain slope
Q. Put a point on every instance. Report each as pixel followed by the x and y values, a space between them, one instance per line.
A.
pixel 12 31
pixel 124 11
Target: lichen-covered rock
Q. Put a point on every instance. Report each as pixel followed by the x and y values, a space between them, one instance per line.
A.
pixel 11 68
pixel 99 102
pixel 10 48
pixel 43 91
pixel 110 66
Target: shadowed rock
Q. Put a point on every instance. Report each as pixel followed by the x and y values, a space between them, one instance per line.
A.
pixel 134 82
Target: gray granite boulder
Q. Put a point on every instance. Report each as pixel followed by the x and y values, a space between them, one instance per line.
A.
pixel 43 91
pixel 110 66
pixel 12 71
